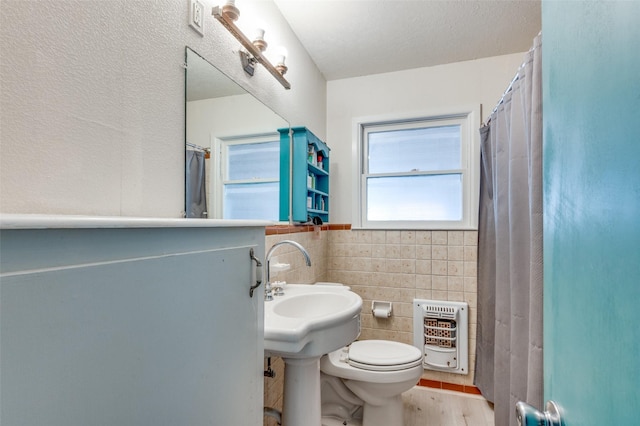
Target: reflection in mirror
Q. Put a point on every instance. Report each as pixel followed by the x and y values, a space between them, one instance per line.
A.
pixel 232 167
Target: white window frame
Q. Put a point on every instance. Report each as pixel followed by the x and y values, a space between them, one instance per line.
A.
pixel 469 119
pixel 220 148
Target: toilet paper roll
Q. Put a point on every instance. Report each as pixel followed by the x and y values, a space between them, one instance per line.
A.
pixel 381 312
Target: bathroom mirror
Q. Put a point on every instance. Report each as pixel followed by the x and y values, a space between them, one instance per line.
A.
pixel 232 162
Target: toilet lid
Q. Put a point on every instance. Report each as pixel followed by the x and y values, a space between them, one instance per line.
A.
pixel 383 355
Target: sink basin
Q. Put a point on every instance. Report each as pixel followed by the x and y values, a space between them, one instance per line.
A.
pixel 311 320
pixel 312 305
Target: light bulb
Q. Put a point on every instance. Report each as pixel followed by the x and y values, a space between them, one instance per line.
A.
pixel 259 34
pixel 258 39
pixel 281 55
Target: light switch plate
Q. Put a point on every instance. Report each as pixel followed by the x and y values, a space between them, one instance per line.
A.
pixel 196 16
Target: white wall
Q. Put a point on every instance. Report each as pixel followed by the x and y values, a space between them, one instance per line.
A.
pixel 92 101
pixel 226 117
pixel 418 90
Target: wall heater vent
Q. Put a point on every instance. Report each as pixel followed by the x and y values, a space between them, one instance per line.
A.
pixel 440 331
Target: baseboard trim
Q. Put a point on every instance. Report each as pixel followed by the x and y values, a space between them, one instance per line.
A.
pixel 436 384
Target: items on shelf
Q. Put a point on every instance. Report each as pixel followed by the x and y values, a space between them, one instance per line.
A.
pixel 308 182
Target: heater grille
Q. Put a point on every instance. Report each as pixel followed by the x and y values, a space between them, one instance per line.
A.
pixel 441 333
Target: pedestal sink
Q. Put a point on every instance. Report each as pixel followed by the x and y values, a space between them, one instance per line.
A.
pixel 301 326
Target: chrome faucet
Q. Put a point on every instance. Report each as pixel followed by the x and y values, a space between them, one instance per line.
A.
pixel 268 294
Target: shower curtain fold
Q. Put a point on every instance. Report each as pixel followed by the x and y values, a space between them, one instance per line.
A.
pixel 196 194
pixel 509 329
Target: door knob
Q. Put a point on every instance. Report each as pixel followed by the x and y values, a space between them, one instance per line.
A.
pixel 530 416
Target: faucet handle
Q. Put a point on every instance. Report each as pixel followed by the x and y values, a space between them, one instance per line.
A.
pixel 268 293
pixel 278 288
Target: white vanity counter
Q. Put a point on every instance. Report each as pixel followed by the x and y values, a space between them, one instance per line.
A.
pixel 41 221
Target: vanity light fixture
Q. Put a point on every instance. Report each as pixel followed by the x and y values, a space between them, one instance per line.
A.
pixel 227 15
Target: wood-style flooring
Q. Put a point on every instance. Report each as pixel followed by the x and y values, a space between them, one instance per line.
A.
pixel 434 407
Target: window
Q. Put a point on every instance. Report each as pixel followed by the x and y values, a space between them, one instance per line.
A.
pixel 248 184
pixel 418 173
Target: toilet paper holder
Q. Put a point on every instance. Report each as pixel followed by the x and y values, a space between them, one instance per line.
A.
pixel 381 309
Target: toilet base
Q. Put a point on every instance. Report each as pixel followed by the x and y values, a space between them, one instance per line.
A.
pixel 376 394
pixel 391 413
pixel 332 421
pixel 388 414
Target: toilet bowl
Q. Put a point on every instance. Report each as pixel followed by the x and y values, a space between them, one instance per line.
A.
pixel 363 383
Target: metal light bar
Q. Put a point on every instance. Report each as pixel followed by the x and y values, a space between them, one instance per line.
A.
pixel 255 52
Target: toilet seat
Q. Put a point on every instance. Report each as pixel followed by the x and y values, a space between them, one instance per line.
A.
pixel 383 355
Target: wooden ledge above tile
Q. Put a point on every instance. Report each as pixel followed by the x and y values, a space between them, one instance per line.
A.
pixel 291 229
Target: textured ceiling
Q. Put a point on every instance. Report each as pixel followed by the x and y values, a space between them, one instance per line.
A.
pixel 350 38
pixel 205 81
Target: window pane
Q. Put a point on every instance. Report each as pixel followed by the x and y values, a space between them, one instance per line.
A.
pixel 251 201
pixel 423 149
pixel 254 161
pixel 433 197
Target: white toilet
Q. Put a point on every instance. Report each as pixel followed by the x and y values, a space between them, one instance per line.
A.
pixel 362 384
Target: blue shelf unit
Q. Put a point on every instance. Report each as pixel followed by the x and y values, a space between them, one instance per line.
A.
pixel 310 188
